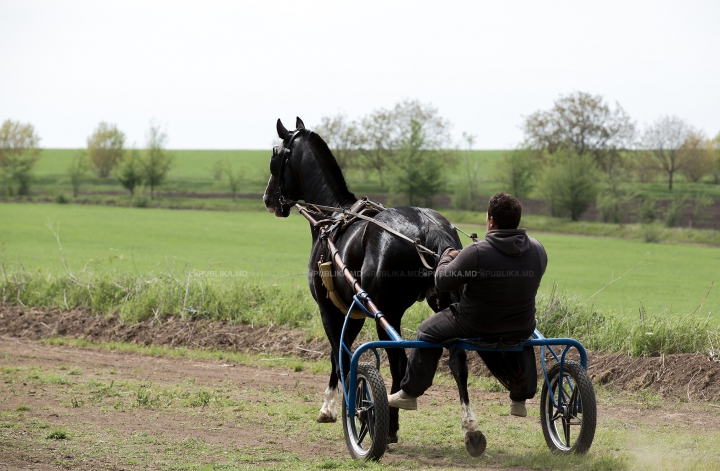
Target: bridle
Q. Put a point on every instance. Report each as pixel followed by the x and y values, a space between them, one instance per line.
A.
pixel 284 152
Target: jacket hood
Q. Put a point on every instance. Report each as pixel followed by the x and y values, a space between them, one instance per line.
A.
pixel 512 242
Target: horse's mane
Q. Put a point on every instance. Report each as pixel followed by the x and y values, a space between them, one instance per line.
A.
pixel 329 163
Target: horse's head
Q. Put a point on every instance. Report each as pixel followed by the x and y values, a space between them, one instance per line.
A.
pixel 284 172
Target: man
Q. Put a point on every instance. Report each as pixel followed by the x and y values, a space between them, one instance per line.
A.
pixel 501 275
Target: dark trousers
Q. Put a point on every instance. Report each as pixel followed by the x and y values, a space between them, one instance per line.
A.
pixel 515 370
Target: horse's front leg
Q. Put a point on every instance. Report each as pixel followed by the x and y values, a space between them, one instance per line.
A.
pixel 475 442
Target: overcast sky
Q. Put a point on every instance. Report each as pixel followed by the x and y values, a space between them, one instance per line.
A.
pixel 218 74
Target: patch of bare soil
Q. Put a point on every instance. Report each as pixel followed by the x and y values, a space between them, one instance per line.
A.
pixel 685 377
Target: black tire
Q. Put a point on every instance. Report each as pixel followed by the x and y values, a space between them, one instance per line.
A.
pixel 366 434
pixel 576 414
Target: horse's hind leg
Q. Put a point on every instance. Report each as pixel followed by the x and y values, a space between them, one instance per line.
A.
pixel 474 439
pixel 397 360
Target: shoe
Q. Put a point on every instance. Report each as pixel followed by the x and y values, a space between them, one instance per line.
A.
pixel 402 400
pixel 518 409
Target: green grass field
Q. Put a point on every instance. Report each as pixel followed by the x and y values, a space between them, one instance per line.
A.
pixel 665 278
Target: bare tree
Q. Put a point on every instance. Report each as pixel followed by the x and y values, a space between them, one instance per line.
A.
pixel 471 167
pixel 106 148
pixel 584 123
pixel 342 137
pixel 18 154
pixel 232 177
pixel 668 145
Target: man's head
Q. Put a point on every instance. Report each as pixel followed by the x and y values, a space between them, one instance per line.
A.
pixel 504 212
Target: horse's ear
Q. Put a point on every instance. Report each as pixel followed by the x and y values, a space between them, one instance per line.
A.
pixel 282 132
pixel 299 124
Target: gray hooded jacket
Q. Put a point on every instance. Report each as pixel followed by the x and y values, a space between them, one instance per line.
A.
pixel 501 275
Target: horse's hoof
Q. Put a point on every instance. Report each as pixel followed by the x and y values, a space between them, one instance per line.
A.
pixel 475 443
pixel 393 438
pixel 323 418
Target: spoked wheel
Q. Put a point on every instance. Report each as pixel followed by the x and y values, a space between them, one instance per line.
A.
pixel 569 425
pixel 366 434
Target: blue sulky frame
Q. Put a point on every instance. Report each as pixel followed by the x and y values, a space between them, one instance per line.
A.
pixel 359 302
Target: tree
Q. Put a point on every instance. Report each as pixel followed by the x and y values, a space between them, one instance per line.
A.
pixel 106 148
pixel 668 146
pixel 233 178
pixel 376 143
pixel 18 154
pixel 130 171
pixel 76 171
pixel 418 170
pixel 342 137
pixel 156 162
pixel 516 170
pixel 584 123
pixel 697 157
pixel 568 183
pixel 383 133
pixel 715 147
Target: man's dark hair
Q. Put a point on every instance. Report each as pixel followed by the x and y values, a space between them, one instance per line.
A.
pixel 505 209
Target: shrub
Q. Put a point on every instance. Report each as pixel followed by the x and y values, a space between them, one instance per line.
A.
pixel 651 232
pixel 140 202
pixel 57 435
pixel 674 213
pixel 702 202
pixel 648 211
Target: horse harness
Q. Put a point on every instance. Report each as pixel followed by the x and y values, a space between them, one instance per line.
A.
pixel 284 152
pixel 332 226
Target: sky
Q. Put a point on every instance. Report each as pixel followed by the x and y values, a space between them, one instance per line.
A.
pixel 217 75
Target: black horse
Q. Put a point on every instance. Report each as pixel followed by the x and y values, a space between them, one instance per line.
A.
pixel 389 268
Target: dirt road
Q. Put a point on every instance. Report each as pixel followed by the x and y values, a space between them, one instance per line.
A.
pixel 130 411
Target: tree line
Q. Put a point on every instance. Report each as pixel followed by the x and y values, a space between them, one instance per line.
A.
pixel 106 155
pixel 580 151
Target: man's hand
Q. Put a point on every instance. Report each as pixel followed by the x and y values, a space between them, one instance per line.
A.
pixel 451 252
